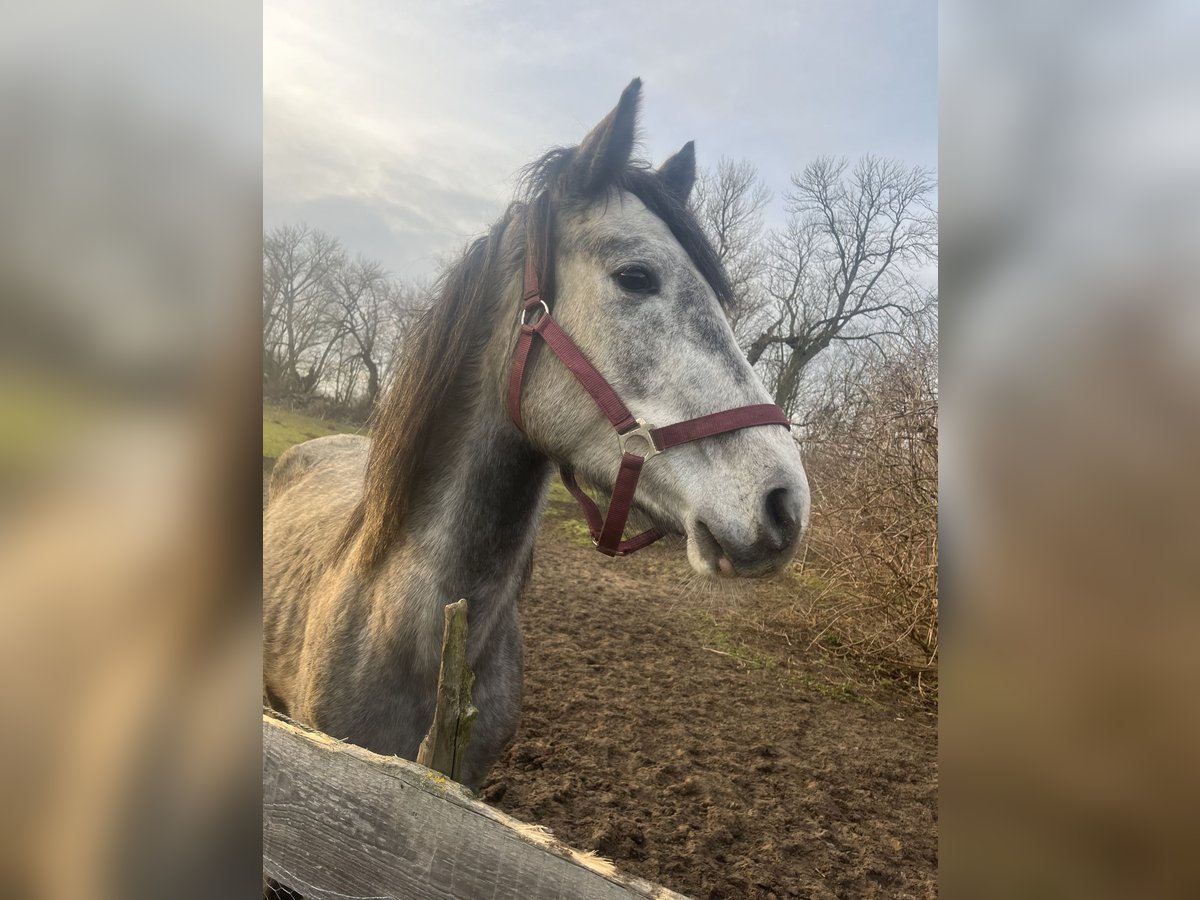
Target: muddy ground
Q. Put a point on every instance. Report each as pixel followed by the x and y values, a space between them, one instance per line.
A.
pixel 665 728
pixel 661 730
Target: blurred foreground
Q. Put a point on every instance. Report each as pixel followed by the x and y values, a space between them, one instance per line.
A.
pixel 1070 487
pixel 129 243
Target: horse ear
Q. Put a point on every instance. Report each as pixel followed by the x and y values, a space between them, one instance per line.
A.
pixel 605 152
pixel 678 173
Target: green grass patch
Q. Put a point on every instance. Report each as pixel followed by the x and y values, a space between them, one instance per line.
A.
pixel 563 513
pixel 576 530
pixel 559 493
pixel 283 429
pixel 715 637
pixel 805 578
pixel 569 521
pixel 842 692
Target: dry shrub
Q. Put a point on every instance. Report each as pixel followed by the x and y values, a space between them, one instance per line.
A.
pixel 871 450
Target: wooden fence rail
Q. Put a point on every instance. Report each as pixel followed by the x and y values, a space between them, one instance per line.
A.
pixel 341 822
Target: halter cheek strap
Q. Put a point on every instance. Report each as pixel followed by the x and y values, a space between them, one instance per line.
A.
pixel 639 441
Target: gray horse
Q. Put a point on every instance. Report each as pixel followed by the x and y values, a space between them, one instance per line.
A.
pixel 365 542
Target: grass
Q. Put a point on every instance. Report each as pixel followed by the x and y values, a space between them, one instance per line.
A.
pixel 840 692
pixel 719 637
pixel 566 515
pixel 714 636
pixel 576 530
pixel 559 492
pixel 282 429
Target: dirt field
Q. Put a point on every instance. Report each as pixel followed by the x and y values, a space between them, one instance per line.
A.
pixel 663 731
pixel 665 728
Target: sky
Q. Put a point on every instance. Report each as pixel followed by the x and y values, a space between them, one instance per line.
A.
pixel 400 127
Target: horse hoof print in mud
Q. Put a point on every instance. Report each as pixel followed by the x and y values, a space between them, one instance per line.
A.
pixel 586 331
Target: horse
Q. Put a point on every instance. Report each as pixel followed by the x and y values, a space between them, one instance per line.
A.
pixel 366 541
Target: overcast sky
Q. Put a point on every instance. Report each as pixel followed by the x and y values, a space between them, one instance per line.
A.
pixel 399 126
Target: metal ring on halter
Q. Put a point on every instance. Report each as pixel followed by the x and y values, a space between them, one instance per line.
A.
pixel 643 432
pixel 528 309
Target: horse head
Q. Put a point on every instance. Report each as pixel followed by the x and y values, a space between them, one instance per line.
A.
pixel 628 274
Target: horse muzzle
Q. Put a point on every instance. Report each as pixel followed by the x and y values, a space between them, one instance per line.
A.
pixel 757 545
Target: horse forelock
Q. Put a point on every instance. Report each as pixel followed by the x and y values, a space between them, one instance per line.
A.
pixel 549 192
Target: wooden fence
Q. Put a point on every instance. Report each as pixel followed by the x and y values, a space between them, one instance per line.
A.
pixel 341 822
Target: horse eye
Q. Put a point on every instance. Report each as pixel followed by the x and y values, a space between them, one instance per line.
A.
pixel 636 279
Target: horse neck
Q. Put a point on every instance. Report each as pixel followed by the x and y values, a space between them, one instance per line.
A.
pixel 482 491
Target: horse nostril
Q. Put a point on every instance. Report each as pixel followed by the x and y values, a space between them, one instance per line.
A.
pixel 783 517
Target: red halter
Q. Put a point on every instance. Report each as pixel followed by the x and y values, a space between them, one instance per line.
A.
pixel 639 441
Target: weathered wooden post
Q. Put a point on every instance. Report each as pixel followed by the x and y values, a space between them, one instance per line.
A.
pixel 445 746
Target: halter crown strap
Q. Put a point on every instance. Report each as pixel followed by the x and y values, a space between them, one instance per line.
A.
pixel 607 530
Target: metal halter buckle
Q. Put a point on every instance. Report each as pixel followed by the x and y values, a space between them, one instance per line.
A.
pixel 641 433
pixel 528 309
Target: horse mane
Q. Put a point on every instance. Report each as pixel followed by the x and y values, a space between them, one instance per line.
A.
pixel 448 338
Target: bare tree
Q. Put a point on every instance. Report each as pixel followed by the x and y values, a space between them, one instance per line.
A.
pixel 360 293
pixel 406 301
pixel 844 268
pixel 728 202
pixel 298 334
pixel 332 325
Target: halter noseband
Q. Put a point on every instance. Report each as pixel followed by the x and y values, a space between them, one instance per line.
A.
pixel 639 441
